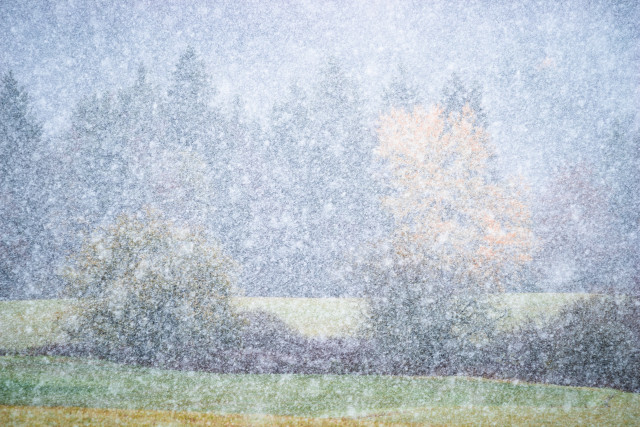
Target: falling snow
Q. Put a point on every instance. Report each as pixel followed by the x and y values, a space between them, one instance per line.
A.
pixel 377 205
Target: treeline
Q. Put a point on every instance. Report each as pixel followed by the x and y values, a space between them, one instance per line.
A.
pixel 292 196
pixel 285 199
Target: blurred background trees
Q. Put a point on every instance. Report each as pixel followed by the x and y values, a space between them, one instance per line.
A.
pixel 582 242
pixel 295 194
pixel 23 202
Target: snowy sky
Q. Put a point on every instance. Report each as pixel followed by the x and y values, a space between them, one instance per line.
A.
pixel 554 74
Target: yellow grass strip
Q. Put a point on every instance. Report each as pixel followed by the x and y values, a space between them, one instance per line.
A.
pixel 64 416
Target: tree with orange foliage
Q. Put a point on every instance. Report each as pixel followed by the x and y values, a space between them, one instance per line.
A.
pixel 457 233
pixel 451 217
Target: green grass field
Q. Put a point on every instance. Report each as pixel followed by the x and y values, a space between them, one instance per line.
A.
pixel 329 317
pixel 32 323
pixel 76 383
pixel 520 307
pixel 65 391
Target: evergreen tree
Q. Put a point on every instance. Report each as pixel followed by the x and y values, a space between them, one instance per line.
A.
pixel 139 128
pixel 621 170
pixel 244 171
pixel 321 183
pixel 195 124
pixel 347 191
pixel 19 132
pixel 292 200
pixel 401 92
pixel 98 159
pixel 20 204
pixel 107 159
pixel 455 95
pixel 192 121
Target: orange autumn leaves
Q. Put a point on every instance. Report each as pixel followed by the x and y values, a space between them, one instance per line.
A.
pixel 450 215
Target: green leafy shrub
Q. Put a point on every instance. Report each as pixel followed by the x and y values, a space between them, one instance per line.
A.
pixel 152 292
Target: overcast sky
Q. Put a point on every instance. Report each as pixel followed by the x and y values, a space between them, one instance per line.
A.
pixel 554 74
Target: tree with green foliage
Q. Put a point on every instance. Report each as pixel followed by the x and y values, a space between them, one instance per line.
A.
pixel 197 124
pixel 19 132
pixel 139 127
pixel 620 172
pixel 152 292
pixel 322 195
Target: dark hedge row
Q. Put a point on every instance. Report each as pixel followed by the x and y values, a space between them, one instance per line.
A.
pixel 594 342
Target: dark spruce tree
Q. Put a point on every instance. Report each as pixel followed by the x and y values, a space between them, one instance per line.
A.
pixel 402 92
pixel 456 94
pixel 106 160
pixel 321 183
pixel 244 171
pixel 20 201
pixel 620 171
pixel 98 159
pixel 200 128
pixel 192 121
pixel 291 199
pixel 138 129
pixel 343 193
